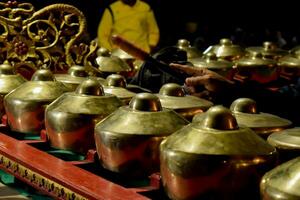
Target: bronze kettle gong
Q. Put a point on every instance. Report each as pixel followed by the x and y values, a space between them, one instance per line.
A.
pixel 246 113
pixel 192 52
pixel 211 62
pixel 71 118
pixel 9 80
pixel 287 143
pixel 214 159
pixel 256 68
pixel 116 85
pixel 226 50
pixel 127 141
pixel 282 182
pixel 172 96
pixel 25 106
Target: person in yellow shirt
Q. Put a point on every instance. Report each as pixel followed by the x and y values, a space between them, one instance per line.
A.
pixel 133 20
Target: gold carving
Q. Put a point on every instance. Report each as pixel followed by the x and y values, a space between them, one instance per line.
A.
pixel 53 37
pixel 38 180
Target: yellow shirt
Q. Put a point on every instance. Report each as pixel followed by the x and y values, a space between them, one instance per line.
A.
pixel 136 24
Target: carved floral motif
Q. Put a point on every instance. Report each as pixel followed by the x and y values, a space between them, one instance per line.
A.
pixel 53 37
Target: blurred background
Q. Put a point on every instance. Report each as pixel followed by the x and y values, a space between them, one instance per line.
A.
pixel 205 22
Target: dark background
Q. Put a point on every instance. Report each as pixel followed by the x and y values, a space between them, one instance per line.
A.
pixel 257 21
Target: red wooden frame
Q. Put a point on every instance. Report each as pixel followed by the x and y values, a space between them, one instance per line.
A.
pixel 65 174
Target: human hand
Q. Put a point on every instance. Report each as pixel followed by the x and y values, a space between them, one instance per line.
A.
pixel 203 82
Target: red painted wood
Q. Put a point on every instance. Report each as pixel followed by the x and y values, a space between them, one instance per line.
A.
pixel 64 173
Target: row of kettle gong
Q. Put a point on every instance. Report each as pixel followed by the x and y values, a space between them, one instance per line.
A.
pixel 214 156
pixel 262 64
pixel 79 110
pixel 26 103
pixel 45 87
pixel 128 140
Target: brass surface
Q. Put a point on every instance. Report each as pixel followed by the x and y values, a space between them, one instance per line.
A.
pixel 289 61
pixel 287 143
pixel 9 80
pixel 69 81
pixel 255 59
pixel 25 105
pixel 116 85
pixel 43 75
pixel 70 119
pixel 122 93
pixel 294 50
pixel 246 113
pixel 183 43
pixel 116 80
pixel 102 81
pixel 282 182
pixel 131 61
pixel 226 50
pixel 172 89
pixel 211 62
pixel 214 159
pixel 262 121
pixel 112 64
pixel 103 52
pixel 244 105
pixel 90 86
pixel 172 96
pixel 77 71
pixel 127 141
pixel 286 139
pixel 145 102
pixel 137 64
pixel 7 69
pixel 221 128
pixel 263 124
pixel 122 54
pixel 127 121
pixel 192 52
pixel 76 75
pixel 290 66
pixel 268 50
pixel 257 68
